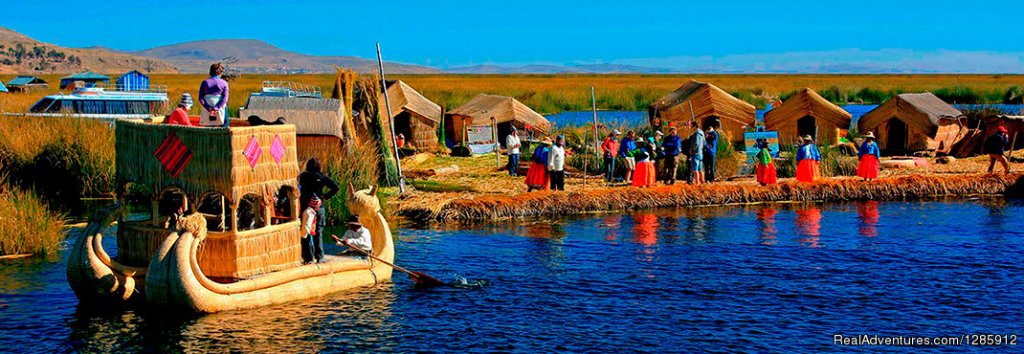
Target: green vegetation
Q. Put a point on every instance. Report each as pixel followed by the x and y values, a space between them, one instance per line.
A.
pixel 28 226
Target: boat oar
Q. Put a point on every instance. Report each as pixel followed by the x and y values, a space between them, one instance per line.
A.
pixel 421 279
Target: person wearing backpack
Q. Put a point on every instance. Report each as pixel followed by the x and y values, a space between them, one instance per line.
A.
pixel 995 146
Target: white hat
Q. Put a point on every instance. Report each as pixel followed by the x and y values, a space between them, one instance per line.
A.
pixel 616 132
pixel 658 133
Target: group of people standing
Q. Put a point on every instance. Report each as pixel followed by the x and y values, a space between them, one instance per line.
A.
pixel 213 97
pixel 641 156
pixel 808 161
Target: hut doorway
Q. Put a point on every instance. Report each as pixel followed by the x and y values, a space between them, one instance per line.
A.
pixel 807 126
pixel 896 135
pixel 711 121
pixel 503 130
pixel 403 125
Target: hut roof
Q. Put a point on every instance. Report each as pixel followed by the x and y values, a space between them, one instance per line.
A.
pixel 88 75
pixel 2 87
pixel 504 109
pixel 707 100
pixel 311 116
pixel 806 102
pixel 923 111
pixel 26 80
pixel 404 97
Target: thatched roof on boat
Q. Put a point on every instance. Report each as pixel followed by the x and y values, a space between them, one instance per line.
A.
pixel 707 101
pixel 311 116
pixel 217 163
pixel 404 98
pixel 481 108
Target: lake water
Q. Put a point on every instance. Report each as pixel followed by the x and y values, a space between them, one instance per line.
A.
pixel 769 278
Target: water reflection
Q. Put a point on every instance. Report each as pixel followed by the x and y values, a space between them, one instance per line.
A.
pixel 867 213
pixel 766 223
pixel 547 238
pixel 611 226
pixel 808 226
pixel 645 229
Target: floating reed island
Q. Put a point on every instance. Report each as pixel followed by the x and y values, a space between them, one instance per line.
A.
pixel 458 206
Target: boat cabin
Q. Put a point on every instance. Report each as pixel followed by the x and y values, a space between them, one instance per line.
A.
pixel 100 103
pixel 242 180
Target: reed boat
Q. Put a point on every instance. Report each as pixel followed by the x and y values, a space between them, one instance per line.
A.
pixel 237 244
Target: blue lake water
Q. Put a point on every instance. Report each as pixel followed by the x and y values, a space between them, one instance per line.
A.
pixel 769 278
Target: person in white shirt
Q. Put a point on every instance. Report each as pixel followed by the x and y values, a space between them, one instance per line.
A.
pixel 355 236
pixel 556 164
pixel 310 240
pixel 512 144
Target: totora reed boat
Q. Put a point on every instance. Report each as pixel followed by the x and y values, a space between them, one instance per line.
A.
pixel 237 243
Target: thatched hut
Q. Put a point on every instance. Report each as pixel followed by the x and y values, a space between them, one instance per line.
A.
pixel 807 113
pixel 507 111
pixel 415 117
pixel 231 177
pixel 711 107
pixel 915 122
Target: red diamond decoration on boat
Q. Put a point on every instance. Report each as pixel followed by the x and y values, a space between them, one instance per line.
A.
pixel 173 154
pixel 252 152
pixel 277 149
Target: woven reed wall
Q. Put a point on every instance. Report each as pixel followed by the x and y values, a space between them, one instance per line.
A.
pixel 239 255
pixel 310 116
pixel 323 147
pixel 267 176
pixel 424 132
pixel 137 241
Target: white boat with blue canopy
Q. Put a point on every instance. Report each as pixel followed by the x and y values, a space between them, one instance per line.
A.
pixel 104 103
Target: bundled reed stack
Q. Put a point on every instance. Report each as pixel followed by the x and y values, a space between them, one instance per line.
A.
pixel 344 89
pixel 708 105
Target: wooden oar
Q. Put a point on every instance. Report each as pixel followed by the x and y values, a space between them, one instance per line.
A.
pixel 421 279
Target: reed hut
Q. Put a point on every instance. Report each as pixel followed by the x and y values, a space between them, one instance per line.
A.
pixel 507 111
pixel 26 84
pixel 807 113
pixel 415 117
pixel 915 122
pixel 218 173
pixel 711 107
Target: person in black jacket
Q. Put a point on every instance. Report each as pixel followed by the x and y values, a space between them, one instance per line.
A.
pixel 312 183
pixel 995 147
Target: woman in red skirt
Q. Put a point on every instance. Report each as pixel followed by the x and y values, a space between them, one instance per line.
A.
pixel 869 156
pixel 807 158
pixel 644 175
pixel 765 167
pixel 537 176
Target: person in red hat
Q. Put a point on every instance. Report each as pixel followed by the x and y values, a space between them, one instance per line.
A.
pixel 995 147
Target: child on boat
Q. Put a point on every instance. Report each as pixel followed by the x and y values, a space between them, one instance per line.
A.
pixel 765 167
pixel 355 236
pixel 311 241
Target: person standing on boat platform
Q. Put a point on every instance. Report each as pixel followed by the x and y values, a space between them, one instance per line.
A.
pixel 311 239
pixel 213 96
pixel 312 183
pixel 180 114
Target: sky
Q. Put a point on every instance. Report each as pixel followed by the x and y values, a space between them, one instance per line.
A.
pixel 936 35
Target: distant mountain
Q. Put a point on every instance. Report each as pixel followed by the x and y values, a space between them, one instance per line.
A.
pixel 255 56
pixel 559 69
pixel 20 54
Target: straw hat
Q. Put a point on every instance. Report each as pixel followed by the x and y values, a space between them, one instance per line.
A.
pixel 869 135
pixel 807 138
pixel 616 132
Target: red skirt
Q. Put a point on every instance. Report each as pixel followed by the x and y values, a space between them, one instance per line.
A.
pixel 807 170
pixel 766 174
pixel 645 174
pixel 868 167
pixel 537 176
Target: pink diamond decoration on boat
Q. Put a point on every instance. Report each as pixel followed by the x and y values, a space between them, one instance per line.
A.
pixel 277 149
pixel 252 152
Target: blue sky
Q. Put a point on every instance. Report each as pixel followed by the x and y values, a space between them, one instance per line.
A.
pixel 676 34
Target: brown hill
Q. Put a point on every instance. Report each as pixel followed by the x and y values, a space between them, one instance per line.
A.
pixel 20 54
pixel 255 56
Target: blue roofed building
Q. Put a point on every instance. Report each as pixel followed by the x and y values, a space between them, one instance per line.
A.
pixel 26 83
pixel 133 81
pixel 89 78
pixel 2 87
